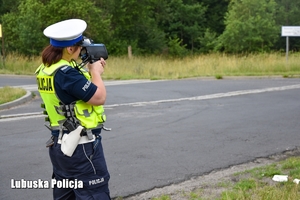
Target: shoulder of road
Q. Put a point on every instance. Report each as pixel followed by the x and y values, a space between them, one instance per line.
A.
pixel 27 97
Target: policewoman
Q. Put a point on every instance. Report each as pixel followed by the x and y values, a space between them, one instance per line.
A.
pixel 73 99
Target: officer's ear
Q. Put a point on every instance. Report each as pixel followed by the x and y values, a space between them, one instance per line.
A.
pixel 70 50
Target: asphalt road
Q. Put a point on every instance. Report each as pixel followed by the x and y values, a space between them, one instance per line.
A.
pixel 163 132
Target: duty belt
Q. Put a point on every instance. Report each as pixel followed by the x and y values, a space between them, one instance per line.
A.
pixel 87 135
pixel 83 140
pixel 86 132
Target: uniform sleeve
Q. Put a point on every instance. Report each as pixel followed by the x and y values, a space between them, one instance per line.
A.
pixel 72 85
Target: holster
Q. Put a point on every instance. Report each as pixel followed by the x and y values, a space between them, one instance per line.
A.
pixel 70 141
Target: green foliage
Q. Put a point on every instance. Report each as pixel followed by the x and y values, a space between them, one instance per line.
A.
pixel 117 47
pixel 250 26
pixel 234 26
pixel 214 15
pixel 133 25
pixel 29 27
pixel 185 21
pixel 208 41
pixel 175 49
pixel 288 15
pixel 218 76
pixel 163 197
pixel 10 33
pixel 24 27
pixel 98 22
pixel 7 6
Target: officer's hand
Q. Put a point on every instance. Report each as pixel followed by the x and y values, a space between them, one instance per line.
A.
pixel 96 67
pixel 103 63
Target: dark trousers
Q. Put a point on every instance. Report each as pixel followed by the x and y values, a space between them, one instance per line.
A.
pixel 87 166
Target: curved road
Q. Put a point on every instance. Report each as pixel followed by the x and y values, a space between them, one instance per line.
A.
pixel 163 132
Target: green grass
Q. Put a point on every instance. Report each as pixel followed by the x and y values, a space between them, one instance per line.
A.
pixel 164 197
pixel 254 184
pixel 157 67
pixel 9 94
pixel 213 65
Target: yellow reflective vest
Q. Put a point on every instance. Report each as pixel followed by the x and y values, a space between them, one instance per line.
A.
pixel 89 116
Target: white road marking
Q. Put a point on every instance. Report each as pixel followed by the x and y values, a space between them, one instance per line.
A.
pixel 33 87
pixel 5 118
pixel 30 88
pixel 210 96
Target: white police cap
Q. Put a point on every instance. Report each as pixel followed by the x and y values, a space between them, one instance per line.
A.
pixel 65 33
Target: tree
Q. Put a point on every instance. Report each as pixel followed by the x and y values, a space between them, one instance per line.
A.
pixel 7 6
pixel 214 14
pixel 288 15
pixel 187 21
pixel 29 27
pixel 98 23
pixel 250 26
pixel 208 41
pixel 24 27
pixel 133 24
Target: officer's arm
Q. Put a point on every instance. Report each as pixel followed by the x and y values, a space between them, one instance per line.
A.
pixel 96 69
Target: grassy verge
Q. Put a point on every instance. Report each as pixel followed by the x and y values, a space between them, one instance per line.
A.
pixel 10 93
pixel 155 67
pixel 254 184
pixel 213 65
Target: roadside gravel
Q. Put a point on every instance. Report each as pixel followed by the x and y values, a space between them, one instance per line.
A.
pixel 210 184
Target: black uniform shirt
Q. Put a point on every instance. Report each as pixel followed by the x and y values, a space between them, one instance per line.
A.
pixel 70 85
